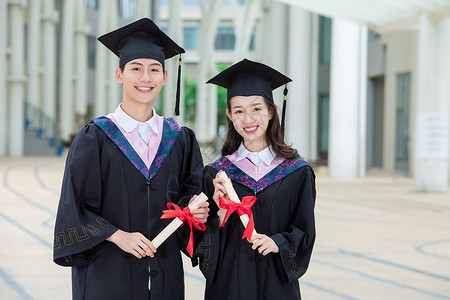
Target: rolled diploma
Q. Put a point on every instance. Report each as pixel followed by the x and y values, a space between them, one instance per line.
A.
pixel 163 235
pixel 234 197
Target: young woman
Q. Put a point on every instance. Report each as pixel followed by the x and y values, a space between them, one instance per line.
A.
pixel 259 163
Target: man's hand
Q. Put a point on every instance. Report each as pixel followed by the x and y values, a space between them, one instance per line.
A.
pixel 133 242
pixel 201 212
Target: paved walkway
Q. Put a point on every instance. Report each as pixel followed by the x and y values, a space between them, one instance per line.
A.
pixel 377 238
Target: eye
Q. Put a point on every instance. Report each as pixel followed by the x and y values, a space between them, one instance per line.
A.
pixel 237 111
pixel 136 69
pixel 155 70
pixel 257 109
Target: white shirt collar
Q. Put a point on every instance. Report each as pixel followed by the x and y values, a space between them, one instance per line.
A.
pixel 267 155
pixel 129 124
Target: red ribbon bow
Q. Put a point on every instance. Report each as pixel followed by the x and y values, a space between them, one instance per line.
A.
pixel 184 215
pixel 243 208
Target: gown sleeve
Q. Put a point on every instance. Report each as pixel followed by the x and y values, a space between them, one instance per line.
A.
pixel 207 250
pixel 79 229
pixel 190 180
pixel 296 243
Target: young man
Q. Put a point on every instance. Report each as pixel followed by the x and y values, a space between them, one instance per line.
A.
pixel 120 173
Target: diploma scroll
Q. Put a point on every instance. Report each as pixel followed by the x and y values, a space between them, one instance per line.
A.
pixel 234 197
pixel 163 235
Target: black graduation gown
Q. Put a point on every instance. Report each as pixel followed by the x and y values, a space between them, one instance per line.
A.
pixel 106 187
pixel 284 211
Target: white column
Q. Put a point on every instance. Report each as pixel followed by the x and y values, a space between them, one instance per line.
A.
pixel 274 43
pixel 244 21
pixel 175 31
pixel 3 94
pixel 143 9
pixel 314 95
pixel 17 79
pixel 298 113
pixel 33 60
pixel 49 19
pixel 101 55
pixel 206 107
pixel 114 95
pixel 81 58
pixel 347 100
pixel 431 132
pixel 66 71
pixel 274 38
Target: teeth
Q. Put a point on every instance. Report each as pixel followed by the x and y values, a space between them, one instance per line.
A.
pixel 250 128
pixel 144 88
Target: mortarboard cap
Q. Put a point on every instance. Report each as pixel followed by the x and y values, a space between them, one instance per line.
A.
pixel 140 39
pixel 143 39
pixel 247 78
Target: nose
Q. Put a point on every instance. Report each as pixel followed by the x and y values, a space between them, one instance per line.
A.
pixel 247 117
pixel 145 77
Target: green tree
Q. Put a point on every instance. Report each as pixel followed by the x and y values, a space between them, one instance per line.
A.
pixel 190 99
pixel 221 99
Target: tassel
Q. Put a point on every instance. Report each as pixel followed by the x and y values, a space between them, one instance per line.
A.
pixel 177 97
pixel 283 114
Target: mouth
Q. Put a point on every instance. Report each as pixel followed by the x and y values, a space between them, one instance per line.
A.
pixel 251 129
pixel 144 88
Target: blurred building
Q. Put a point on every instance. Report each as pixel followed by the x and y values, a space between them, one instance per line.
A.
pixel 370 79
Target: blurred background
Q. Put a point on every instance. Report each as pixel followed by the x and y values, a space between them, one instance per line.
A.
pixel 370 86
pixel 368 108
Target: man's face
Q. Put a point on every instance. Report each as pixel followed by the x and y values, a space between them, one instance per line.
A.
pixel 142 80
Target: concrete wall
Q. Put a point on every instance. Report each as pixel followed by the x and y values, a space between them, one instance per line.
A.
pixel 401 57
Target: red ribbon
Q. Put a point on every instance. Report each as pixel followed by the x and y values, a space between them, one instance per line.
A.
pixel 184 215
pixel 243 208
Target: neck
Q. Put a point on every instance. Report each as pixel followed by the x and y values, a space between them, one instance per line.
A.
pixel 141 113
pixel 255 146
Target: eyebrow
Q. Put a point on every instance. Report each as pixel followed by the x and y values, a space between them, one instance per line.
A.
pixel 139 64
pixel 253 104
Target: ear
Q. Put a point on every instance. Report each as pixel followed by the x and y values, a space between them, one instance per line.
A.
pixel 228 114
pixel 119 76
pixel 165 77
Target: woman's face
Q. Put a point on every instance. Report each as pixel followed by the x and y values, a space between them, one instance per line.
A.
pixel 250 116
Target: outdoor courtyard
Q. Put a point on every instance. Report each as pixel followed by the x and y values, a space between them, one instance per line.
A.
pixel 376 238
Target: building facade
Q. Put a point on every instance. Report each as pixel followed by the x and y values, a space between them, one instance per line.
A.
pixel 365 96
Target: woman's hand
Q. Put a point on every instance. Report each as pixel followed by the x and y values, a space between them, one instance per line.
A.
pixel 263 244
pixel 219 189
pixel 220 192
pixel 133 242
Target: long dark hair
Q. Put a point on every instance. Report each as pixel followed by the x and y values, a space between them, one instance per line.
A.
pixel 274 135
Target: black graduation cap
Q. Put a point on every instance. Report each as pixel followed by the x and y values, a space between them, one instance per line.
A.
pixel 247 78
pixel 143 39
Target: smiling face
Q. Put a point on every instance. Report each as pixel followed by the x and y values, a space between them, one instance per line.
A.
pixel 142 80
pixel 250 116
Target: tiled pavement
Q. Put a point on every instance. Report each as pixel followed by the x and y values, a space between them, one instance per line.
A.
pixel 376 238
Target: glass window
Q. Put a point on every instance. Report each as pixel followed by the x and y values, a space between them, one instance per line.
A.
pixel 91 52
pixel 190 38
pixel 324 40
pixel 127 9
pixel 402 129
pixel 225 39
pixel 323 118
pixel 92 4
pixel 191 2
pixel 252 46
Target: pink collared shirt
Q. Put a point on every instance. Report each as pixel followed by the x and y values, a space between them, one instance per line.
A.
pixel 261 163
pixel 144 137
